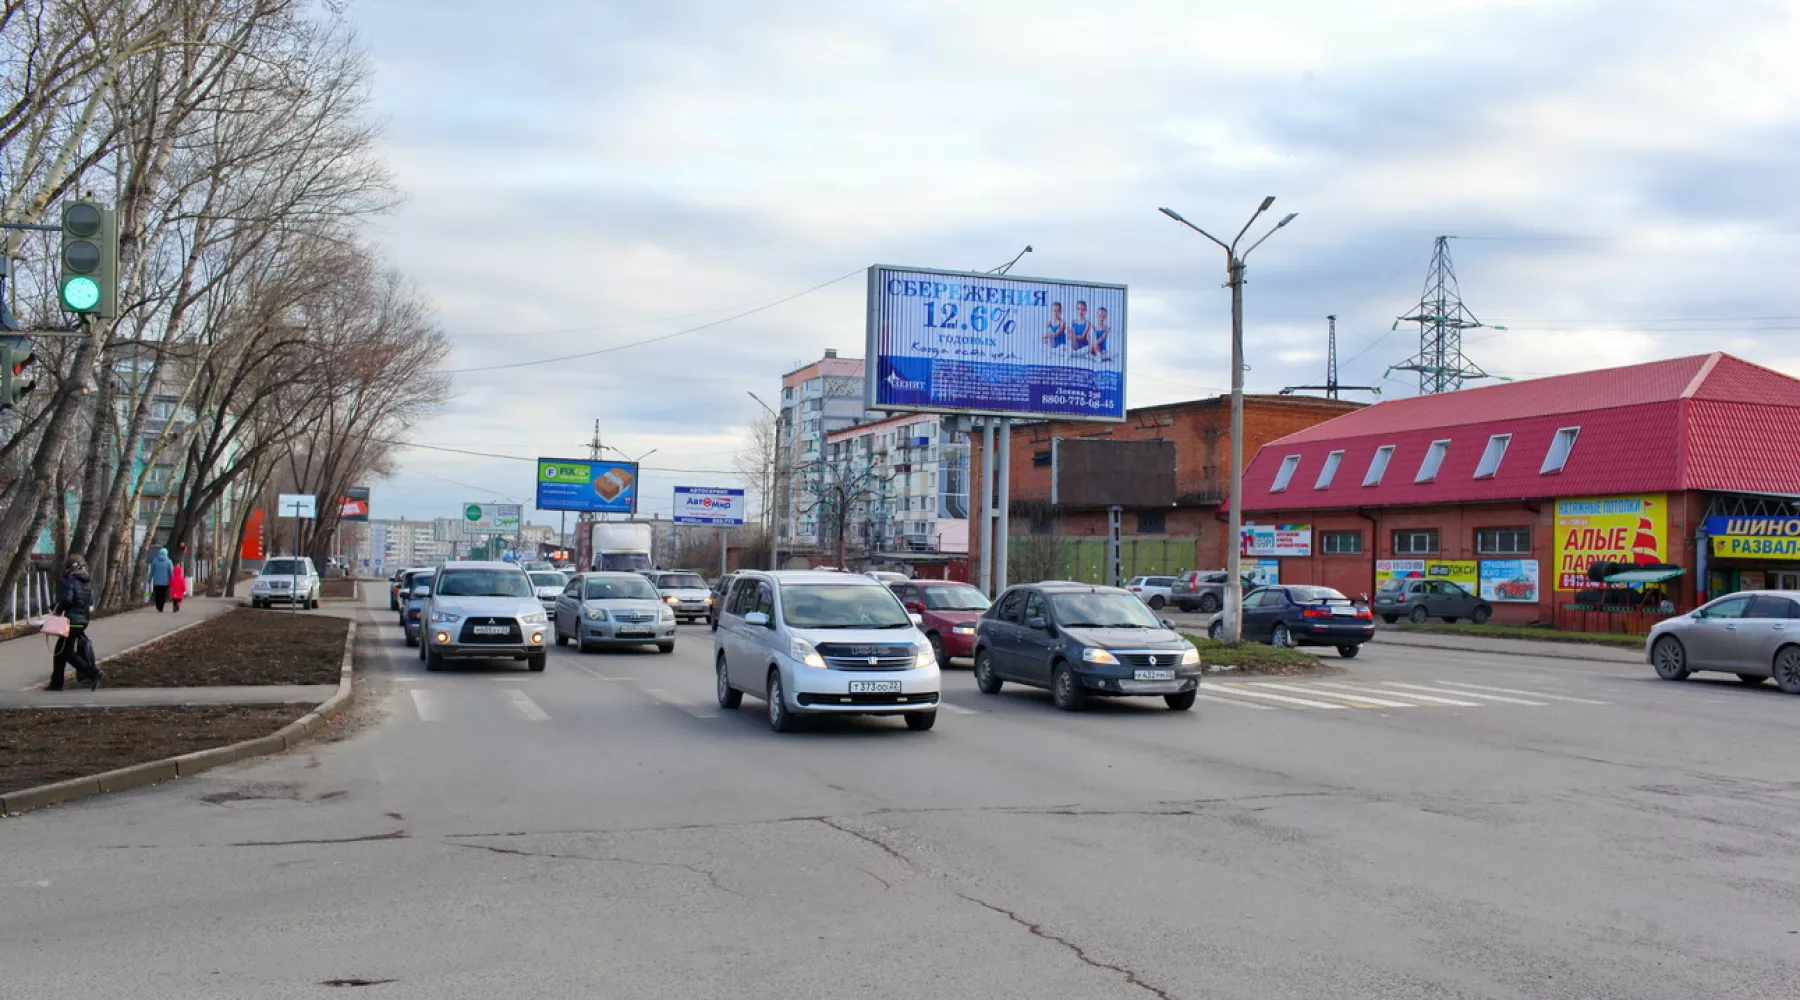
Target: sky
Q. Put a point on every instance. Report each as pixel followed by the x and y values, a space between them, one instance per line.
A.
pixel 584 175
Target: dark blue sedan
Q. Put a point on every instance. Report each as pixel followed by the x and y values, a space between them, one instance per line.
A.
pixel 1304 616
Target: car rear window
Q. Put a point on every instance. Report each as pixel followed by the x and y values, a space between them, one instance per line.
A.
pixel 1317 595
pixel 619 588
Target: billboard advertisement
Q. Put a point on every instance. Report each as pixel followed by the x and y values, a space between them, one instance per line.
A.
pixel 1509 580
pixel 1631 530
pixel 1465 574
pixel 491 518
pixel 1754 537
pixel 601 485
pixel 969 342
pixel 1097 472
pixel 354 504
pixel 709 505
pixel 1277 540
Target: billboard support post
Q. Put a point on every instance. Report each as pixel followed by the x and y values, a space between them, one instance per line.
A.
pixel 1003 506
pixel 724 551
pixel 1114 571
pixel 986 527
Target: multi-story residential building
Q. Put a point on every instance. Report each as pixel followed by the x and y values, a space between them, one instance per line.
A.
pixel 816 399
pixel 907 485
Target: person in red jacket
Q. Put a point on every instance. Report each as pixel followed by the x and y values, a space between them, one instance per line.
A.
pixel 177 585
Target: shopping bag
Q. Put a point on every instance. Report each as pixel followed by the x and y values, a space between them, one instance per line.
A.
pixel 54 625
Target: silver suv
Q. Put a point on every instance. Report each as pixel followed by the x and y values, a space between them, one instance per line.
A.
pixel 483 610
pixel 823 643
pixel 285 580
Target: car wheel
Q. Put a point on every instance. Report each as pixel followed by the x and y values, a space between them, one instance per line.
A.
pixel 1390 619
pixel 1753 680
pixel 434 660
pixel 536 661
pixel 1216 631
pixel 1280 637
pixel 393 605
pixel 918 722
pixel 1670 658
pixel 1349 652
pixel 411 641
pixel 1181 702
pixel 986 681
pixel 1481 614
pixel 556 628
pixel 1156 603
pixel 1066 690
pixel 780 719
pixel 583 647
pixel 937 650
pixel 665 647
pixel 1185 605
pixel 1208 604
pixel 729 697
pixel 1418 616
pixel 1787 669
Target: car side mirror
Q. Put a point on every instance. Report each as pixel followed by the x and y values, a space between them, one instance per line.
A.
pixel 917 619
pixel 915 607
pixel 421 591
pixel 757 618
pixel 1168 624
pixel 1038 623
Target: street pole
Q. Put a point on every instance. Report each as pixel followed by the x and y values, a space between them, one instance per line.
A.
pixel 986 527
pixel 1003 506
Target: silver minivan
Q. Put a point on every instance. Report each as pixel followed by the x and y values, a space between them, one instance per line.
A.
pixel 812 643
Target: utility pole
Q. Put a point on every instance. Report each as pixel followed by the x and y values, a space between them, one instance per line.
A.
pixel 1442 318
pixel 1331 386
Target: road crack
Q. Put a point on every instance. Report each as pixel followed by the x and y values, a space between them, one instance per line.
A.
pixel 1037 930
pixel 868 838
pixel 390 835
pixel 711 876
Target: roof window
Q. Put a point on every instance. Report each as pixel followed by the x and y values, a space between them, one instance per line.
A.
pixel 1434 459
pixel 1329 472
pixel 1490 459
pixel 1285 473
pixel 1560 446
pixel 1378 465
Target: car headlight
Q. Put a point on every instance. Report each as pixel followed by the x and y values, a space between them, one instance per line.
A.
pixel 1191 658
pixel 668 614
pixel 963 629
pixel 596 614
pixel 1092 655
pixel 807 654
pixel 538 619
pixel 671 599
pixel 927 657
pixel 444 618
pixel 707 599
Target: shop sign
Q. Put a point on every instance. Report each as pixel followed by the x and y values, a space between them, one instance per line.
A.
pixel 1631 530
pixel 1509 580
pixel 1747 547
pixel 1266 572
pixel 1277 540
pixel 1466 575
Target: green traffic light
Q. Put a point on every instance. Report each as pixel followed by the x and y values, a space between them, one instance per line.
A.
pixel 81 293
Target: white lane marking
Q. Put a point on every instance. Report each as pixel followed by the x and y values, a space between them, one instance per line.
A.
pixel 1470 694
pixel 1528 694
pixel 1244 690
pixel 1234 703
pixel 959 710
pixel 1434 699
pixel 522 703
pixel 674 702
pixel 1358 698
pixel 425 703
pixel 584 668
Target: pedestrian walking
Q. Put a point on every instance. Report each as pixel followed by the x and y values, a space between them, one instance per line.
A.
pixel 162 568
pixel 75 601
pixel 177 586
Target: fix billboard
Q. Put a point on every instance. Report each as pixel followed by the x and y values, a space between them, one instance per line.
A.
pixel 970 342
pixel 598 485
pixel 709 505
pixel 491 518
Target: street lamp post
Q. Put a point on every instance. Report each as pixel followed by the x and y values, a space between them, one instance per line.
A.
pixel 774 529
pixel 1232 613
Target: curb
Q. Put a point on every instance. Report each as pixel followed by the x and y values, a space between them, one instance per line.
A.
pixel 1552 650
pixel 185 765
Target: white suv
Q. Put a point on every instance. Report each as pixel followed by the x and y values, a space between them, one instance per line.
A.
pixel 483 610
pixel 285 580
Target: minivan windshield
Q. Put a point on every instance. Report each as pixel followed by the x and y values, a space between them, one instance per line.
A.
pixel 483 583
pixel 680 581
pixel 837 605
pixel 1101 610
pixel 618 588
pixel 955 599
pixel 285 567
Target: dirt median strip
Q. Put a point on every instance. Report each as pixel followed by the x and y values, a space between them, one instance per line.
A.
pixel 40 746
pixel 239 648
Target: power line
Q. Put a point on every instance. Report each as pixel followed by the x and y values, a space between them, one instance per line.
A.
pixel 598 329
pixel 520 458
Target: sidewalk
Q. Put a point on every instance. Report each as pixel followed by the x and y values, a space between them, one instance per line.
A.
pixel 1511 647
pixel 25 661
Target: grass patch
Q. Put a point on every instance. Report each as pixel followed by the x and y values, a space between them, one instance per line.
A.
pixel 1530 632
pixel 1247 658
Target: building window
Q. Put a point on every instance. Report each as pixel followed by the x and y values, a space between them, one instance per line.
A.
pixel 1041 459
pixel 1502 541
pixel 1423 542
pixel 1490 458
pixel 1378 465
pixel 1285 473
pixel 1329 472
pixel 1156 523
pixel 1434 460
pixel 1341 543
pixel 1560 446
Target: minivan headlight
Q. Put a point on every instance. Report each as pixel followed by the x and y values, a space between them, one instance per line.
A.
pixel 807 654
pixel 927 657
pixel 1092 655
pixel 1190 658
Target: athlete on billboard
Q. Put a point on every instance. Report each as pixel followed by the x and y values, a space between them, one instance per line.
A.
pixel 1057 332
pixel 1097 335
pixel 1078 329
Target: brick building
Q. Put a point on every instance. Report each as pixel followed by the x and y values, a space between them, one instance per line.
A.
pixel 1045 542
pixel 1514 490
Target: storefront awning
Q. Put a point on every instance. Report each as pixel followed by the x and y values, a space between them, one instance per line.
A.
pixel 1645 575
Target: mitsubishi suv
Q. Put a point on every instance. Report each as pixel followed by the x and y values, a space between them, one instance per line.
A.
pixel 483 610
pixel 812 643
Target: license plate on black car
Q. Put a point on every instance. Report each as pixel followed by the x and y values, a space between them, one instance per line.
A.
pixel 874 687
pixel 1153 675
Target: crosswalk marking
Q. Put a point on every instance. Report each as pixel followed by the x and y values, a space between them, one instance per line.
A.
pixel 425 703
pixel 1234 703
pixel 522 703
pixel 1471 694
pixel 1244 690
pixel 1363 698
pixel 1437 700
pixel 1528 694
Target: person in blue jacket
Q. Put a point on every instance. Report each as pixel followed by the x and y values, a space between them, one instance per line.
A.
pixel 162 570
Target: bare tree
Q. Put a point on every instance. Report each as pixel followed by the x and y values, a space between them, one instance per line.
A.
pixel 760 465
pixel 839 493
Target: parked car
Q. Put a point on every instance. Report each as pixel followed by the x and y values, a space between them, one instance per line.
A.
pixel 285 580
pixel 548 585
pixel 720 588
pixel 1753 634
pixel 483 610
pixel 617 609
pixel 412 615
pixel 1082 641
pixel 948 611
pixel 1152 590
pixel 886 576
pixel 1303 616
pixel 1420 600
pixel 823 643
pixel 1203 589
pixel 686 593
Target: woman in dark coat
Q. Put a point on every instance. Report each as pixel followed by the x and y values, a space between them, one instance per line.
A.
pixel 75 601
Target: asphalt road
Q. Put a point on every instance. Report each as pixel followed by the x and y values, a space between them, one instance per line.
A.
pixel 1433 824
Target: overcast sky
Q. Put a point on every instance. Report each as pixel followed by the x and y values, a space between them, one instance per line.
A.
pixel 586 174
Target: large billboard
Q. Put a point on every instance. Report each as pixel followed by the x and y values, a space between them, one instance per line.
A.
pixel 709 505
pixel 491 518
pixel 587 484
pixel 354 504
pixel 1631 530
pixel 1099 472
pixel 970 342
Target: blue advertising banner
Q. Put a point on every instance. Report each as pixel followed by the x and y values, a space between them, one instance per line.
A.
pixel 1719 526
pixel 585 484
pixel 709 505
pixel 963 341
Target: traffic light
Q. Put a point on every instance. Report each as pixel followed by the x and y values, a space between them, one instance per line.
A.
pixel 90 260
pixel 15 356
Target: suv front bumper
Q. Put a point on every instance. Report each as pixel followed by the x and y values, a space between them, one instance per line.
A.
pixel 825 692
pixel 446 641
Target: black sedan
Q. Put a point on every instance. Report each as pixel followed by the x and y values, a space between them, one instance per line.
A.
pixel 1083 641
pixel 1304 616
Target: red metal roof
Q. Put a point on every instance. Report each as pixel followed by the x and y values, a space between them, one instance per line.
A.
pixel 1710 421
